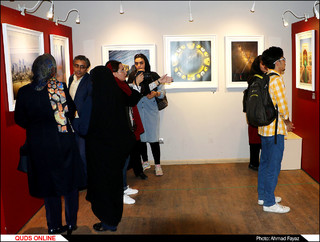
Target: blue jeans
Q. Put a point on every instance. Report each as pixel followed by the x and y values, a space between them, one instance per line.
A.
pixel 269 168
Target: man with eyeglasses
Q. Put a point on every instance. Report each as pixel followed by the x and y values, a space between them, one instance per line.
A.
pixel 271 151
pixel 80 88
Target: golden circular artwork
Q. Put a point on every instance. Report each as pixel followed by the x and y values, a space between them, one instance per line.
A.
pixel 191 61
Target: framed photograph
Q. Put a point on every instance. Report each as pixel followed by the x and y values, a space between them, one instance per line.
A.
pixel 125 54
pixel 59 49
pixel 305 60
pixel 240 53
pixel 191 60
pixel 21 47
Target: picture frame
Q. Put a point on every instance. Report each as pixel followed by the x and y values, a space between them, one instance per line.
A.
pixel 191 60
pixel 59 49
pixel 125 54
pixel 21 47
pixel 305 60
pixel 240 53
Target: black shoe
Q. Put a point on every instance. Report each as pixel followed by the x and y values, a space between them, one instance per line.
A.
pixel 142 176
pixel 103 227
pixel 252 167
pixel 58 230
pixel 71 228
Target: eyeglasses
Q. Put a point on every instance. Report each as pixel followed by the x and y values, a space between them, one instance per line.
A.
pixel 80 66
pixel 282 58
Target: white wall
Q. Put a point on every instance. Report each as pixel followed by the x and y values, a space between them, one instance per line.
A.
pixel 196 125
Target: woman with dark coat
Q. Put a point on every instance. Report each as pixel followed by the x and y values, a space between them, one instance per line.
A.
pixel 108 143
pixel 45 109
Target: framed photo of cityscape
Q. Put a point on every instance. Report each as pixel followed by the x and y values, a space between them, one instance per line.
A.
pixel 125 54
pixel 21 47
pixel 305 60
pixel 191 60
pixel 240 53
pixel 59 49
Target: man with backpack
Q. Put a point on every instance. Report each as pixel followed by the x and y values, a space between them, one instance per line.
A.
pixel 272 149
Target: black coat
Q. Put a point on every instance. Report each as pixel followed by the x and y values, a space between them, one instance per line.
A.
pixel 55 168
pixel 108 142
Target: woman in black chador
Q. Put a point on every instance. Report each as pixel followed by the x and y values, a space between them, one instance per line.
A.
pixel 45 109
pixel 108 144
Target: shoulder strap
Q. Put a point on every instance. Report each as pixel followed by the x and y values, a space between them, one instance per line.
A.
pixel 272 74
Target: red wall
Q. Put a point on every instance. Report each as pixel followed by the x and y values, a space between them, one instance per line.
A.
pixel 17 206
pixel 305 110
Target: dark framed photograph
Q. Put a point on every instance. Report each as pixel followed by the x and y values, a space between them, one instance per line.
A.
pixel 240 53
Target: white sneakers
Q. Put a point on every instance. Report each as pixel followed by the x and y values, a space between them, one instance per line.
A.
pixel 158 170
pixel 130 191
pixel 276 208
pixel 127 192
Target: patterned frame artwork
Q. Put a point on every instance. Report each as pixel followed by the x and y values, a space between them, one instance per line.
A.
pixel 191 60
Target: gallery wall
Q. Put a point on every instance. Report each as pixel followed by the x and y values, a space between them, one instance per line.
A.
pixel 305 105
pixel 17 206
pixel 196 126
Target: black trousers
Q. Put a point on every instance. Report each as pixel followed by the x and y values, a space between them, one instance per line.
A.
pixel 155 148
pixel 135 159
pixel 255 154
pixel 54 210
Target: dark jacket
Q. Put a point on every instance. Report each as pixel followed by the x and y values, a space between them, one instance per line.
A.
pixel 83 101
pixel 108 144
pixel 54 167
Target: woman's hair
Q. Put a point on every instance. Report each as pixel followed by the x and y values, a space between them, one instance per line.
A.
pixel 44 68
pixel 82 58
pixel 255 69
pixel 147 68
pixel 113 65
pixel 269 56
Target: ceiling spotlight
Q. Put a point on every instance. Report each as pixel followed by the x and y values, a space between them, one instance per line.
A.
pixel 121 8
pixel 72 10
pixel 50 13
pixel 252 8
pixel 285 23
pixel 190 13
pixel 23 10
pixel 316 12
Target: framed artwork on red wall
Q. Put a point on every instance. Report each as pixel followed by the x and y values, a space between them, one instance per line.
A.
pixel 59 49
pixel 305 60
pixel 21 47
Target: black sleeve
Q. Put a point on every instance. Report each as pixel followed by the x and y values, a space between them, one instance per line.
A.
pixel 20 114
pixel 134 98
